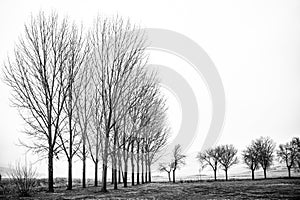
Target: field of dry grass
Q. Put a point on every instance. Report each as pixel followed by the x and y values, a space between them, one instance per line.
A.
pixel 238 189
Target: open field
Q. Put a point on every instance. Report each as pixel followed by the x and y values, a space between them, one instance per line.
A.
pixel 235 189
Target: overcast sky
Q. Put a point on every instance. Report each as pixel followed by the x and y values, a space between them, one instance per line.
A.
pixel 255 46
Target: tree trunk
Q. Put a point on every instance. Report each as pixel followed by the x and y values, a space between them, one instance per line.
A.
pixel 265 173
pixel 226 175
pixel 112 175
pixel 83 165
pixel 174 175
pixel 149 173
pixel 146 171
pixel 146 174
pixel 132 178
pixel 125 174
pixel 215 174
pixel 142 163
pixel 114 165
pixel 115 179
pixel 71 136
pixel 132 164
pixel 69 174
pixel 119 165
pixel 252 171
pixel 119 175
pixel 114 161
pixel 138 165
pixel 104 178
pixel 50 170
pixel 104 169
pixel 125 179
pixel 289 172
pixel 169 176
pixel 125 162
pixel 96 174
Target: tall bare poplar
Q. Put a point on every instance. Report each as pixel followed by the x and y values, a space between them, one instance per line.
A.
pixel 70 138
pixel 83 114
pixel 38 77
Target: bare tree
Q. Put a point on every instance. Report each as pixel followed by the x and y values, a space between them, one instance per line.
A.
pixel 70 139
pixel 154 146
pixel 227 157
pixel 178 159
pixel 211 157
pixel 250 158
pixel 288 153
pixel 95 136
pixel 264 147
pixel 202 163
pixel 84 114
pixel 166 168
pixel 38 77
pixel 125 145
pixel 296 143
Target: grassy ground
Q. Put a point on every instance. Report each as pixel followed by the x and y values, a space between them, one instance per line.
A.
pixel 238 189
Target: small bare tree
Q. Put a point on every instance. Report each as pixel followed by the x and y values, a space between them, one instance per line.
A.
pixel 178 159
pixel 287 153
pixel 202 165
pixel 296 143
pixel 264 147
pixel 250 158
pixel 211 157
pixel 166 168
pixel 227 157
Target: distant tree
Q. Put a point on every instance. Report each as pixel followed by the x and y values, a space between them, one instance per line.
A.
pixel 211 157
pixel 250 158
pixel 264 147
pixel 166 168
pixel 178 159
pixel 227 157
pixel 296 143
pixel 156 137
pixel 288 153
pixel 202 163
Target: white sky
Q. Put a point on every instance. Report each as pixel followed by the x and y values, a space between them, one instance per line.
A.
pixel 254 44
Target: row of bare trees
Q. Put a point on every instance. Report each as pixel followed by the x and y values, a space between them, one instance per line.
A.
pixel 89 95
pixel 260 153
pixel 223 155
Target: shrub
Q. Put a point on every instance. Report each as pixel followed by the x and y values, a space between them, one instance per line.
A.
pixel 23 177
